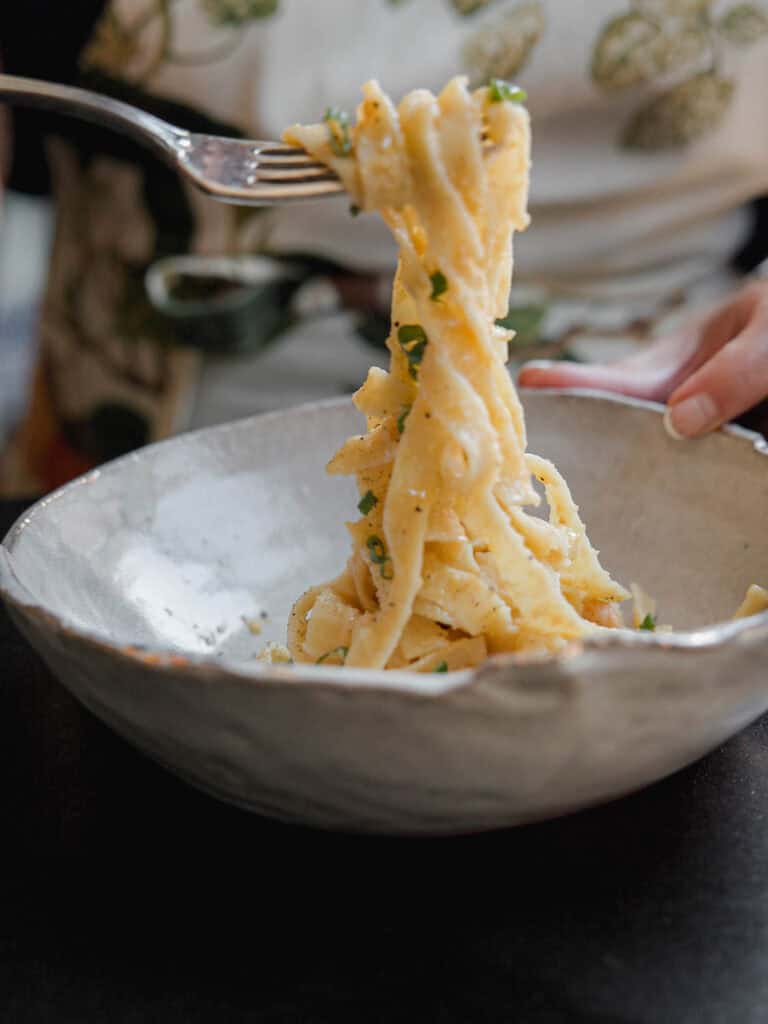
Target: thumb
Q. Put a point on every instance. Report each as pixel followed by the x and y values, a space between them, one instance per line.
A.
pixel 730 383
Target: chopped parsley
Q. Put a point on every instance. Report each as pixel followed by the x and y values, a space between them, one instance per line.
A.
pixel 649 623
pixel 354 210
pixel 439 285
pixel 367 502
pixel 413 342
pixel 499 90
pixel 442 667
pixel 404 413
pixel 337 652
pixel 378 554
pixel 376 549
pixel 338 131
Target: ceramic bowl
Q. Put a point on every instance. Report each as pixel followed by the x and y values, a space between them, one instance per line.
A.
pixel 143 585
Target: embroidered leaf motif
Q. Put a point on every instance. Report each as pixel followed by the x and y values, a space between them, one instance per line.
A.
pixel 682 43
pixel 502 48
pixel 682 8
pixel 681 114
pixel 634 49
pixel 112 47
pixel 238 12
pixel 465 7
pixel 628 52
pixel 744 24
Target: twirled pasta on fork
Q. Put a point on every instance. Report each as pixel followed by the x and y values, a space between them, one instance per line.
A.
pixel 448 561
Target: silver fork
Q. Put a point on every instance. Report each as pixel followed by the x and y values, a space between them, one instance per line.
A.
pixel 250 172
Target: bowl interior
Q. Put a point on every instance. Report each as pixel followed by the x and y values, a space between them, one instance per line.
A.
pixel 202 543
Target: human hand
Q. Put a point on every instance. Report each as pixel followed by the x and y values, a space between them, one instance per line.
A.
pixel 711 370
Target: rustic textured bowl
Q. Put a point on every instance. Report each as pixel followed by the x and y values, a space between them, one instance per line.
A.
pixel 140 585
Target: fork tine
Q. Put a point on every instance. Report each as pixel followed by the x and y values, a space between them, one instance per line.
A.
pixel 295 175
pixel 255 172
pixel 290 160
pixel 277 155
pixel 280 149
pixel 267 193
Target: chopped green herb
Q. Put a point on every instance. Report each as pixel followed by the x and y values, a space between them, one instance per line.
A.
pixel 499 90
pixel 413 342
pixel 367 502
pixel 442 667
pixel 439 284
pixel 354 210
pixel 376 549
pixel 340 652
pixel 410 332
pixel 649 622
pixel 338 131
pixel 404 413
pixel 379 556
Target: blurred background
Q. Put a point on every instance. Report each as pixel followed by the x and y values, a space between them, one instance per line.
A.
pixel 26 224
pixel 132 307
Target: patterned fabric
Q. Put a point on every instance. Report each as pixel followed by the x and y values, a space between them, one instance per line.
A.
pixel 160 302
pixel 682 39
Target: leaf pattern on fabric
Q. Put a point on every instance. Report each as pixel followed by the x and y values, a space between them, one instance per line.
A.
pixel 465 7
pixel 744 24
pixel 627 52
pixel 112 45
pixel 136 49
pixel 502 48
pixel 682 114
pixel 238 12
pixel 634 49
pixel 683 8
pixel 684 42
pixel 657 39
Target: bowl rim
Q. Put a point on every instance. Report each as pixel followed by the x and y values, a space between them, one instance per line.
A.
pixel 597 649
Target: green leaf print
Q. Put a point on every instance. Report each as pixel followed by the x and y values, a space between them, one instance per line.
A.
pixel 680 115
pixel 502 47
pixel 680 38
pixel 634 49
pixel 682 43
pixel 238 12
pixel 113 46
pixel 465 7
pixel 744 24
pixel 627 52
pixel 675 8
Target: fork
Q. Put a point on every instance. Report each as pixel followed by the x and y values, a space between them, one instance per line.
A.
pixel 250 172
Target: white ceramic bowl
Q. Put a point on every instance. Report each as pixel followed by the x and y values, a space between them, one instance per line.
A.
pixel 134 583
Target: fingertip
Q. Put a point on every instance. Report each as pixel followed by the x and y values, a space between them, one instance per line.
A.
pixel 692 417
pixel 670 427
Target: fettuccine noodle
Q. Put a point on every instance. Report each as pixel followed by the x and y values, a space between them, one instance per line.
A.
pixel 448 563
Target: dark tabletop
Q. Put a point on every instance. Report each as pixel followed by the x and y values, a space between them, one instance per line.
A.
pixel 129 897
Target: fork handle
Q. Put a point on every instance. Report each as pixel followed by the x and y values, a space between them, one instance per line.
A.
pixel 92 106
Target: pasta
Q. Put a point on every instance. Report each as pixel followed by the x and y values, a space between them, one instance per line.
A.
pixel 450 561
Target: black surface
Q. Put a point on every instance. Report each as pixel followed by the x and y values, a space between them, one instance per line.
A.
pixel 156 903
pixel 40 39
